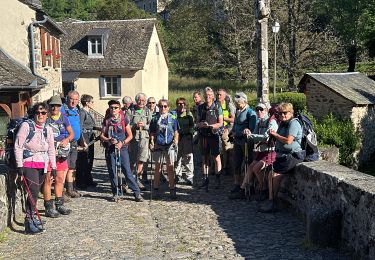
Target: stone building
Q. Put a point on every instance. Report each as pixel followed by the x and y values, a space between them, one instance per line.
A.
pixel 350 95
pixel 30 68
pixel 113 59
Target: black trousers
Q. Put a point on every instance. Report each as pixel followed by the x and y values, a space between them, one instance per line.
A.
pixel 34 179
pixel 85 161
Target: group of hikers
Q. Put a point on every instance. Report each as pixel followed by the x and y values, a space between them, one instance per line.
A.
pixel 225 135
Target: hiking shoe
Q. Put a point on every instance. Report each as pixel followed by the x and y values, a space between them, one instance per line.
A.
pixel 266 207
pixel 66 198
pixel 235 189
pixel 237 195
pixel 138 198
pixel 30 227
pixel 73 194
pixel 173 193
pixel 61 208
pixel 50 212
pixel 39 224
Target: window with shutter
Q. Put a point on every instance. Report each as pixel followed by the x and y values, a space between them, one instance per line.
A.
pixel 110 86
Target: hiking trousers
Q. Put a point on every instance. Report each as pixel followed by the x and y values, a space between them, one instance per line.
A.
pixel 110 157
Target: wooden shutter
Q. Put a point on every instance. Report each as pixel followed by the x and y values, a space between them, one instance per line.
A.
pixel 43 46
pixel 58 53
pixel 48 48
pixel 102 86
pixel 53 51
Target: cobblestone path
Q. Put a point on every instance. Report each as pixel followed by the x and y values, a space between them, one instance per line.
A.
pixel 198 225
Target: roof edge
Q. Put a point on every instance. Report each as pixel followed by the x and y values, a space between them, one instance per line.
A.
pixel 106 21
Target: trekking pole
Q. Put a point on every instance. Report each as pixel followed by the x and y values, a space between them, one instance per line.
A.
pixel 118 173
pixel 32 202
pixel 151 177
pixel 247 186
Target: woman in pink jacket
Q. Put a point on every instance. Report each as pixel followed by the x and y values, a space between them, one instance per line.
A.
pixel 33 154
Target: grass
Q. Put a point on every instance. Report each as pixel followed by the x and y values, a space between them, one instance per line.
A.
pixel 367 67
pixel 4 235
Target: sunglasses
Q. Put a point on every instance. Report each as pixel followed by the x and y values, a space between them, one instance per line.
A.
pixel 151 102
pixel 259 109
pixel 163 106
pixel 41 113
pixel 284 112
pixel 180 104
pixel 113 108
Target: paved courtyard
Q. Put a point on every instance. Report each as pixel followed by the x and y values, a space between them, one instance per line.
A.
pixel 198 225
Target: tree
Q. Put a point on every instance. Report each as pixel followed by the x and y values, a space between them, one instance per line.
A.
pixel 353 21
pixel 237 35
pixel 120 10
pixel 303 43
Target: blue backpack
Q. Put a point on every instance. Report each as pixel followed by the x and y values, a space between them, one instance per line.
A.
pixel 165 133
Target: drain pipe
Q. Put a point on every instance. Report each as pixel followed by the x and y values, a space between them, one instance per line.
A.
pixel 33 65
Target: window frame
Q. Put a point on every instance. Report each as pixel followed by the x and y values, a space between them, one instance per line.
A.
pixel 103 86
pixel 90 44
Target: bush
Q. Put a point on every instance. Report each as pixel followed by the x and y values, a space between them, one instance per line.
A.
pixel 340 133
pixel 297 99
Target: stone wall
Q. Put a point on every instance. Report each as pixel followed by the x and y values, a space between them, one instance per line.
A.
pixel 327 186
pixel 10 198
pixel 322 101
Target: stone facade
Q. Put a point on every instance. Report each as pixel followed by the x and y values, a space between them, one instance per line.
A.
pixel 321 101
pixel 328 186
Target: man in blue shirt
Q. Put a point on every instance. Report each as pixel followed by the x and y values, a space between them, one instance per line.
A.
pixel 71 110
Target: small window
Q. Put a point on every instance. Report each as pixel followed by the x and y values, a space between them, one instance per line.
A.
pixel 110 86
pixel 95 46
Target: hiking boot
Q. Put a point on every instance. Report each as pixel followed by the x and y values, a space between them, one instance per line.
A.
pixel 61 208
pixel 66 198
pixel 204 184
pixel 235 189
pixel 39 224
pixel 30 227
pixel 266 207
pixel 50 212
pixel 138 198
pixel 173 194
pixel 237 195
pixel 73 194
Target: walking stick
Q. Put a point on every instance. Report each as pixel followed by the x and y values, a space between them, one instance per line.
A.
pixel 151 177
pixel 119 190
pixel 32 202
pixel 247 186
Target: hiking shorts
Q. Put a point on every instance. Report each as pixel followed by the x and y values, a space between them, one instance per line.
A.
pixel 210 145
pixel 168 151
pixel 138 150
pixel 285 163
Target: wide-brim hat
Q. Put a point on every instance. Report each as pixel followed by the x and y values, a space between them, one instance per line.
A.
pixel 55 100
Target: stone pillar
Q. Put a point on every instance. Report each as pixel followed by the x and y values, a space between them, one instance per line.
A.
pixel 262 12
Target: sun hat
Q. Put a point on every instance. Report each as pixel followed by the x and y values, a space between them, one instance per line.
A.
pixel 55 100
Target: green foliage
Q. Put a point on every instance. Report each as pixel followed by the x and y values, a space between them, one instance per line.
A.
pixel 120 10
pixel 340 133
pixel 297 99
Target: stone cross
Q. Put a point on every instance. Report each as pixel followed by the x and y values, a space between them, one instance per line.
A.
pixel 262 13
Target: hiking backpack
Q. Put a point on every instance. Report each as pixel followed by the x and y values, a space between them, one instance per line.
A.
pixel 165 133
pixel 12 130
pixel 309 142
pixel 202 112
